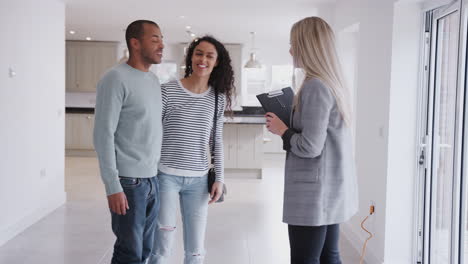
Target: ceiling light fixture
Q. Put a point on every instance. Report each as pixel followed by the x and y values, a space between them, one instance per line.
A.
pixel 72 32
pixel 88 38
pixel 188 27
pixel 253 62
pixel 191 33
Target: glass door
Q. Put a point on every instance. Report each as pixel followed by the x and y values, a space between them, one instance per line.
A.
pixel 441 141
pixel 443 138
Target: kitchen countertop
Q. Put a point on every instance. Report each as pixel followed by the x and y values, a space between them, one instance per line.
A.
pixel 244 119
pixel 80 100
pixel 84 103
pixel 259 120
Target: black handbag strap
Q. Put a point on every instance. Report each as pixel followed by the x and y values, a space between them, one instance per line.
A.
pixel 214 127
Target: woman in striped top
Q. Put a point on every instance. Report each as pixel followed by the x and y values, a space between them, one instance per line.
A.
pixel 188 113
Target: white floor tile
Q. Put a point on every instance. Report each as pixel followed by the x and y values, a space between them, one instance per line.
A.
pixel 245 229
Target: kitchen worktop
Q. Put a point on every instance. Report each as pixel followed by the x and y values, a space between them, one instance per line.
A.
pixel 260 120
pixel 252 119
pixel 80 100
pixel 84 103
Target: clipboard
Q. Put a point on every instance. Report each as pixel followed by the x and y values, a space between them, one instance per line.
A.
pixel 278 102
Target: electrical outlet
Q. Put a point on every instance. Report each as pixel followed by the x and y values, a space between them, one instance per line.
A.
pixel 43 173
pixel 371 207
pixel 11 72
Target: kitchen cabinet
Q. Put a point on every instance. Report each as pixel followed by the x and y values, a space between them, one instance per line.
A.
pixel 243 146
pixel 249 146
pixel 272 143
pixel 79 131
pixel 243 143
pixel 230 146
pixel 86 62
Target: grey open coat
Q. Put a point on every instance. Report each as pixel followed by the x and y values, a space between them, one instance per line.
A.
pixel 320 179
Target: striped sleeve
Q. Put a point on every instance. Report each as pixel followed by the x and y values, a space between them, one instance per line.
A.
pixel 219 149
pixel 164 101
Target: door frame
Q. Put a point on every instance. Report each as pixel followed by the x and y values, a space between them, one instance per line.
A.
pixel 463 181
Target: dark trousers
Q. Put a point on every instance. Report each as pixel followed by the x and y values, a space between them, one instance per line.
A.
pixel 314 244
pixel 135 229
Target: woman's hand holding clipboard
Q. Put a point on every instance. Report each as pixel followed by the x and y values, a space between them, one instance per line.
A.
pixel 278 102
pixel 278 105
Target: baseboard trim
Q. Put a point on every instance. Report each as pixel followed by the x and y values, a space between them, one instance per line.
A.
pixel 357 241
pixel 13 230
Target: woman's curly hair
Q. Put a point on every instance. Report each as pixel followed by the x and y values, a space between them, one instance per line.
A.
pixel 222 76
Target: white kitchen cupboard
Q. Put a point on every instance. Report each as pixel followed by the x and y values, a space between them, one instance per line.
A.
pixel 71 56
pixel 230 146
pixel 249 146
pixel 86 61
pixel 243 149
pixel 79 131
pixel 69 134
pixel 243 143
pixel 272 143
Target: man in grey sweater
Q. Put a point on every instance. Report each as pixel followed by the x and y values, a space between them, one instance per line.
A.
pixel 127 139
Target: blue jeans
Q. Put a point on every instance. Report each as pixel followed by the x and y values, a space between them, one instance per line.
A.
pixel 192 193
pixel 135 229
pixel 314 244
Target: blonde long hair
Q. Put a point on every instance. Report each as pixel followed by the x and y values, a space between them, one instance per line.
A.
pixel 313 49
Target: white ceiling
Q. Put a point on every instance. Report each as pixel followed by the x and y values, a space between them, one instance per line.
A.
pixel 230 21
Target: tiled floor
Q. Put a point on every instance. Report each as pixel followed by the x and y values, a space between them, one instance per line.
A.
pixel 246 229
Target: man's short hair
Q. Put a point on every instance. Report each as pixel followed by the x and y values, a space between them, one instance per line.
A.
pixel 136 30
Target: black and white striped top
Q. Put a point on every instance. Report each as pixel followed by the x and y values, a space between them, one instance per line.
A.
pixel 187 125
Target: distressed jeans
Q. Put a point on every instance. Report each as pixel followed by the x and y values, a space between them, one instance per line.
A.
pixel 192 194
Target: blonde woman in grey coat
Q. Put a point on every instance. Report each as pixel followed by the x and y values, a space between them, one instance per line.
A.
pixel 320 182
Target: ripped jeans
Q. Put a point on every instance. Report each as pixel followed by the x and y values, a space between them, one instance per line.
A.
pixel 192 193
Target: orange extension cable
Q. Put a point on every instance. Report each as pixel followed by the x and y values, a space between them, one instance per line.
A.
pixel 363 253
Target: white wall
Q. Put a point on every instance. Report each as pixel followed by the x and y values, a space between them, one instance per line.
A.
pixel 385 39
pixel 32 108
pixel 348 47
pixel 372 84
pixel 401 173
